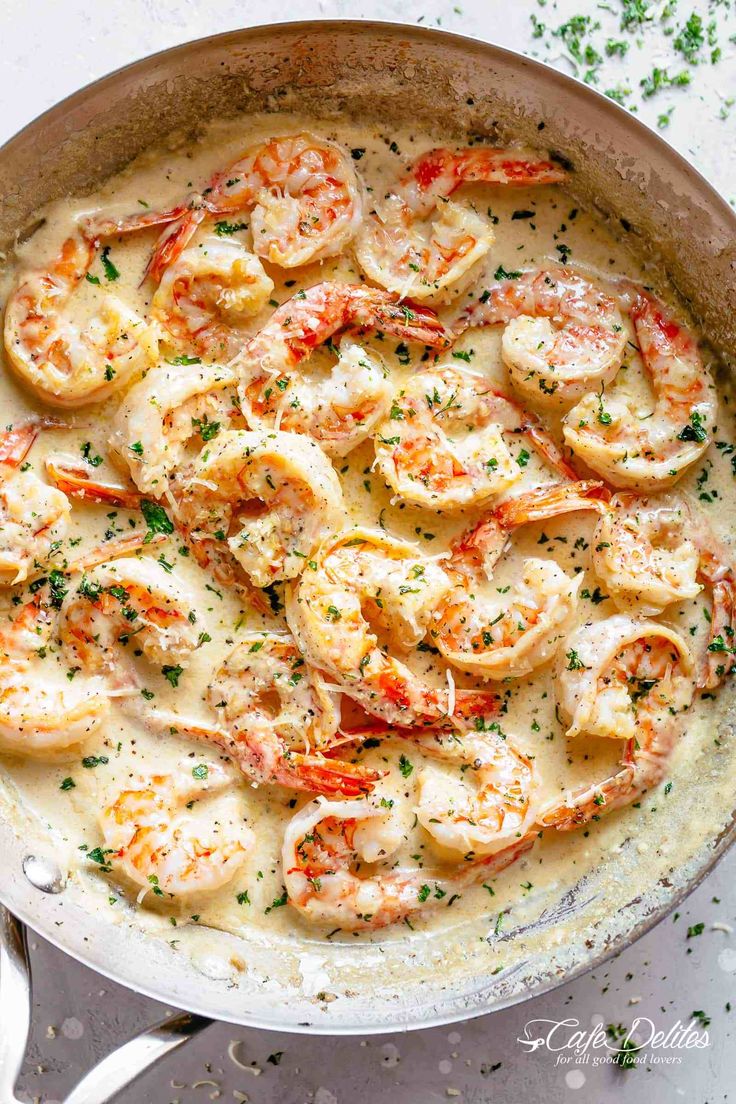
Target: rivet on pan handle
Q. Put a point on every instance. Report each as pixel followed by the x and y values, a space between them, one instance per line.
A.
pixel 110 1075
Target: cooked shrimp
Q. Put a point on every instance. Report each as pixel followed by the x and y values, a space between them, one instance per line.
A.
pixel 400 250
pixel 341 410
pixel 326 846
pixel 304 198
pixel 33 516
pixel 643 553
pixel 160 836
pixel 258 503
pixel 443 444
pixel 42 710
pixel 511 634
pixel 274 708
pixel 563 338
pixel 649 449
pixel 176 407
pixel 131 604
pixel 651 552
pixel 624 679
pixel 62 363
pixel 492 805
pixel 357 584
pixel 207 290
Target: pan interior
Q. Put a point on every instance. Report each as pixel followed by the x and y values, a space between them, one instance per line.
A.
pixel 445 86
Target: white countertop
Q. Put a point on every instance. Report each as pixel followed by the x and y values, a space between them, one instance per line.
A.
pixel 51 48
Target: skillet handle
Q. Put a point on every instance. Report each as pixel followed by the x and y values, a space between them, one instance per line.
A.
pixel 127 1062
pixel 15 1002
pixel 113 1073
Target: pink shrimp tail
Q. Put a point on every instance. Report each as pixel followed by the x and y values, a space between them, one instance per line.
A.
pixel 172 243
pixel 443 171
pixel 658 331
pixel 74 479
pixel 371 308
pixel 16 443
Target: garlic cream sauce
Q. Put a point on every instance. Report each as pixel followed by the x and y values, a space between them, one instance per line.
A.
pixel 533 227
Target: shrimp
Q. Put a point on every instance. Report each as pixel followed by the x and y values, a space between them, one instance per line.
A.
pixel 62 363
pixel 504 635
pixel 499 812
pixel 625 679
pixel 443 446
pixel 128 603
pixel 159 835
pixel 175 407
pixel 400 250
pixel 34 517
pixel 563 338
pixel 341 410
pixel 258 503
pixel 649 450
pixel 46 707
pixel 651 552
pixel 42 711
pixel 325 839
pixel 209 287
pixel 271 705
pixel 304 198
pixel 359 583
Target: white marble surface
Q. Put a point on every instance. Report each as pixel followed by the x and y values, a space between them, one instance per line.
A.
pixel 50 48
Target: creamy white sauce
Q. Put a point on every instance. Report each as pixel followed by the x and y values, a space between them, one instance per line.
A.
pixel 164 176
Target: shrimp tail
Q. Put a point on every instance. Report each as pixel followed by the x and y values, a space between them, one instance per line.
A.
pixel 94 228
pixel 180 223
pixel 591 802
pixel 173 242
pixel 553 499
pixel 475 706
pixel 480 547
pixel 113 550
pixel 73 478
pixel 17 442
pixel 370 308
pixel 720 653
pixel 312 773
pixel 330 776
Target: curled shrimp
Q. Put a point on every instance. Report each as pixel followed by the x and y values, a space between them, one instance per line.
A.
pixel 62 363
pixel 564 337
pixel 511 634
pixel 491 806
pixel 45 705
pixel 125 606
pixel 181 834
pixel 163 416
pixel 651 552
pixel 341 410
pixel 418 243
pixel 34 517
pixel 42 711
pixel 258 503
pixel 207 290
pixel 443 444
pixel 327 845
pixel 358 584
pixel 650 449
pixel 624 679
pixel 303 195
pixel 276 714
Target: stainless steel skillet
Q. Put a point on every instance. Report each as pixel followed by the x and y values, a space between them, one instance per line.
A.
pixel 433 80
